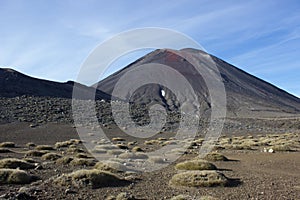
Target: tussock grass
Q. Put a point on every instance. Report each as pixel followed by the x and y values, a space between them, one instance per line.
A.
pixel 44 147
pixel 82 162
pixel 7 144
pixel 14 176
pixel 118 139
pixel 14 163
pixel 64 160
pixel 157 159
pixel 281 148
pixel 137 149
pixel 115 152
pixel 75 149
pixel 131 155
pixel 30 144
pixel 67 143
pixel 51 156
pixel 208 198
pixel 122 146
pixel 181 197
pixel 215 157
pixel 111 166
pixel 83 155
pixel 195 165
pixel 206 178
pixel 5 150
pixel 93 178
pixel 35 153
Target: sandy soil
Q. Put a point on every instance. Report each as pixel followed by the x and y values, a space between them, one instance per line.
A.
pixel 254 174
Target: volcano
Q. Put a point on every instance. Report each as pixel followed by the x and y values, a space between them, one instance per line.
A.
pixel 246 95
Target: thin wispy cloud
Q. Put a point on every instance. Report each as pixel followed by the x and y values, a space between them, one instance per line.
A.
pixel 52 39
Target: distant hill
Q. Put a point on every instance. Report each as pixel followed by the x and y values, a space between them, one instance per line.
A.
pixel 13 84
pixel 247 95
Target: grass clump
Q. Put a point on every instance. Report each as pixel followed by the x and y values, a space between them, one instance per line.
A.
pixel 130 155
pixel 181 197
pixel 67 143
pixel 44 147
pixel 206 178
pixel 93 178
pixel 14 176
pixel 35 153
pixel 5 150
pixel 13 163
pixel 75 150
pixel 215 157
pixel 64 160
pixel 82 162
pixel 281 148
pixel 7 144
pixel 30 144
pixel 51 156
pixel 157 159
pixel 111 166
pixel 137 149
pixel 195 165
pixel 118 139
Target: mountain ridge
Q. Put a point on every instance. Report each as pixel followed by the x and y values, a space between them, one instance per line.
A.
pixel 14 83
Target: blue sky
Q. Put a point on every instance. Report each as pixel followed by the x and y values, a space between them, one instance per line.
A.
pixel 51 39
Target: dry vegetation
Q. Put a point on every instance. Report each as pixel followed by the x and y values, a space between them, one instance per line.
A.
pixel 14 163
pixel 195 165
pixel 93 178
pixel 206 178
pixel 14 176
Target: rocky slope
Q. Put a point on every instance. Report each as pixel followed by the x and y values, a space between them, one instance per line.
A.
pixel 14 84
pixel 247 96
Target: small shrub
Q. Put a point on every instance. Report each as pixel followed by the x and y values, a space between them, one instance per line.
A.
pixel 215 157
pixel 44 147
pixel 7 144
pixel 14 176
pixel 111 166
pixel 195 165
pixel 206 178
pixel 51 156
pixel 93 178
pixel 13 163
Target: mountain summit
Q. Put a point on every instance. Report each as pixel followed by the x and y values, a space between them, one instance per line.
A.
pixel 247 95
